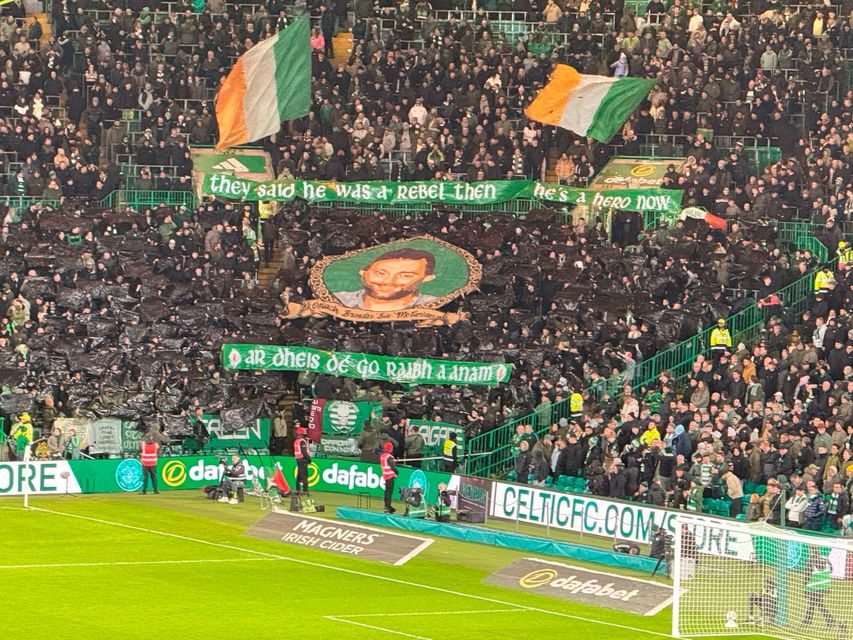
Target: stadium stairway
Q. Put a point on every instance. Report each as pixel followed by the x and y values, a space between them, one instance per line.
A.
pixel 44 20
pixel 341 48
pixel 267 272
pixel 287 403
pixel 550 173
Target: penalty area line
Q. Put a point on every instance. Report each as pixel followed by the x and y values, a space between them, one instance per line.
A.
pixel 375 628
pixel 353 572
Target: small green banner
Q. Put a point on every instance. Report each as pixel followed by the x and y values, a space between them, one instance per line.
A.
pixel 256 436
pixel 446 192
pixel 435 433
pixel 365 366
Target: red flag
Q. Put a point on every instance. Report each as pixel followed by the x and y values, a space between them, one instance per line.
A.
pixel 279 481
pixel 315 420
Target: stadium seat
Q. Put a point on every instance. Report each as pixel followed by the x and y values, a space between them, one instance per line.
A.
pixel 761 489
pixel 748 487
pixel 512 476
pixel 564 481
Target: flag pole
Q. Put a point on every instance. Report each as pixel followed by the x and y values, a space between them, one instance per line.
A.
pixel 28 452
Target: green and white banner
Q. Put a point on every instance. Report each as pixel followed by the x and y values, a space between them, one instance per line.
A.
pixel 256 436
pixel 435 433
pixel 445 192
pixel 338 423
pixel 364 366
pixel 340 447
pixel 344 418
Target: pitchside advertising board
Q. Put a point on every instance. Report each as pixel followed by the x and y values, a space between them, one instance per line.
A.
pixel 624 521
pixel 111 476
pixel 345 539
pixel 565 582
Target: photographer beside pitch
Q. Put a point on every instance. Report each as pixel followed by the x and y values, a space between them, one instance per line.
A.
pixel 233 481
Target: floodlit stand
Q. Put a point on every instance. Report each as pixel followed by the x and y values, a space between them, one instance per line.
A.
pixel 737 578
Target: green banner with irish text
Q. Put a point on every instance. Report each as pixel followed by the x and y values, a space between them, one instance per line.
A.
pixel 365 366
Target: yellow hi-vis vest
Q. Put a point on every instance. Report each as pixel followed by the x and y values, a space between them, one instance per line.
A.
pixel 845 256
pixel 447 451
pixel 822 280
pixel 576 403
pixel 720 338
pixel 266 209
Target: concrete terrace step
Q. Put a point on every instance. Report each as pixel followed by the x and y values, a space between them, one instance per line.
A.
pixel 341 48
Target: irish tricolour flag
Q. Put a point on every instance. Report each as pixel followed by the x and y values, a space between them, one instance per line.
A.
pixel 269 83
pixel 593 106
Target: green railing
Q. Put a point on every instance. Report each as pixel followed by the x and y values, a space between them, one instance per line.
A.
pixel 803 236
pixel 677 361
pixel 651 219
pixel 22 203
pixel 143 199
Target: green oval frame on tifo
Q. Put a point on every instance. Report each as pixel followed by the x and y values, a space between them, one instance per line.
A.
pixel 457 272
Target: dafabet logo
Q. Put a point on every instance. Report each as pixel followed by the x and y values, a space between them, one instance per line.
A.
pixel 174 473
pixel 580 585
pixel 538 578
pixel 313 474
pixel 643 170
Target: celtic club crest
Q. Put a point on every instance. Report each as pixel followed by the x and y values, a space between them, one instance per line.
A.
pixel 343 416
pixel 129 475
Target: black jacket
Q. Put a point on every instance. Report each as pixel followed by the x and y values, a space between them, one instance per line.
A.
pixel 618 483
pixel 522 466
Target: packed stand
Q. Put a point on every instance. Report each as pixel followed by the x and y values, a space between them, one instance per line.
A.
pixel 424 96
pixel 758 430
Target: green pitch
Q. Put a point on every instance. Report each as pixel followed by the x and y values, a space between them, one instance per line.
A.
pixel 179 566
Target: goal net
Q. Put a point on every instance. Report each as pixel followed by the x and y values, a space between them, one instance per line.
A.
pixel 735 578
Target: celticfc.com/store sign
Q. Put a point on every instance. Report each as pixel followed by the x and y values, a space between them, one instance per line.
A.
pixel 607 518
pixel 17 478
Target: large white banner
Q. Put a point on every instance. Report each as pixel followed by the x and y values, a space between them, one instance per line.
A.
pixel 41 477
pixel 595 516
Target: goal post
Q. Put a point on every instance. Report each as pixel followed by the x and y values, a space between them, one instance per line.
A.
pixel 737 578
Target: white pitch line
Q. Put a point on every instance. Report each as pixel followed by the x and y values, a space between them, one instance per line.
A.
pixel 362 574
pixel 427 613
pixel 374 628
pixel 129 564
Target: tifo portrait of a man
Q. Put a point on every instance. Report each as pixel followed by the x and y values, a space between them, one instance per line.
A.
pixel 392 282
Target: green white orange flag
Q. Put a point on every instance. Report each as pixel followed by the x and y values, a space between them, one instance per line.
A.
pixel 269 83
pixel 592 106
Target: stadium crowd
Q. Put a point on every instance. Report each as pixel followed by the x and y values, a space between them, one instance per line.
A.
pixel 121 313
pixel 777 413
pixel 423 97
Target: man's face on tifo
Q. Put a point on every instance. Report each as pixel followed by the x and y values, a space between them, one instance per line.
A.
pixel 395 278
